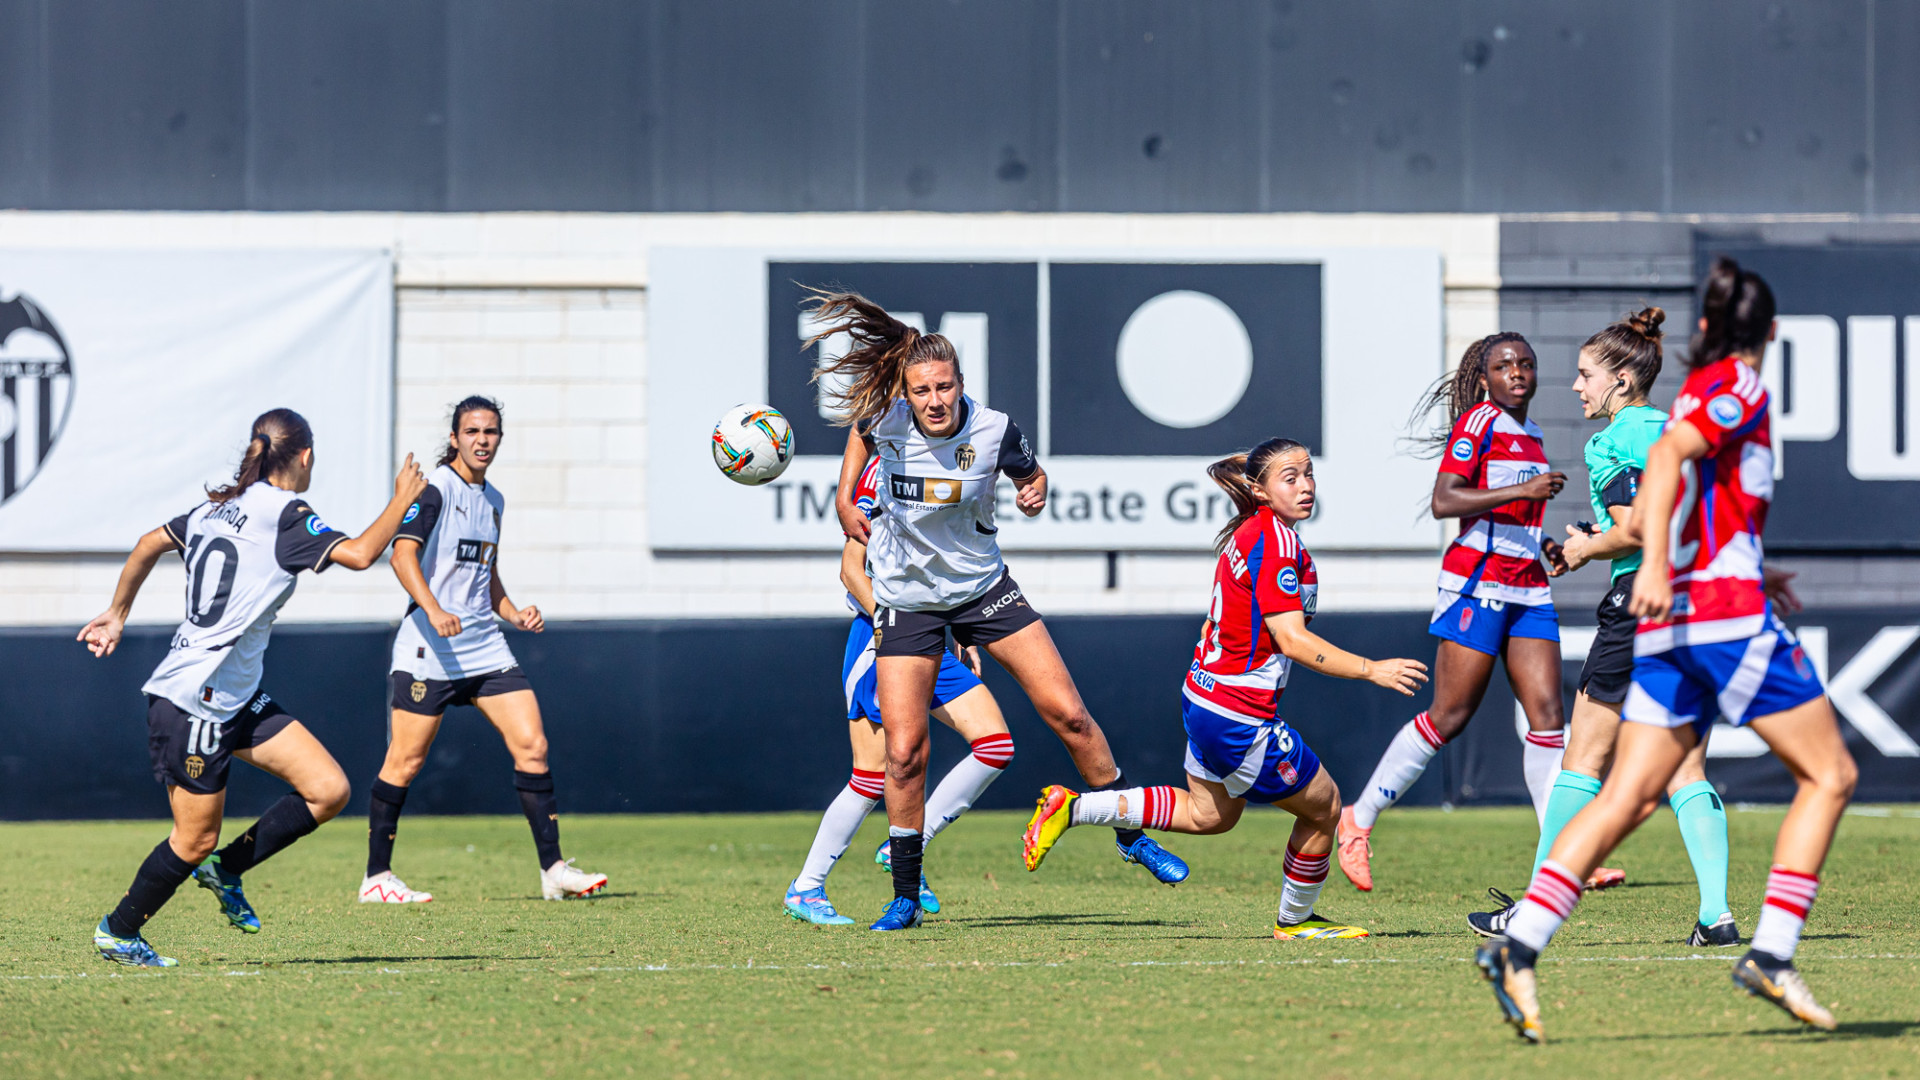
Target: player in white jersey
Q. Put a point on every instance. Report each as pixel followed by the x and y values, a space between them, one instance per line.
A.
pixel 243 548
pixel 450 651
pixel 934 558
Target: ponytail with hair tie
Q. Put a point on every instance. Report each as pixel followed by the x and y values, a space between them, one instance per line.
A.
pixel 278 438
pixel 883 349
pixel 1238 475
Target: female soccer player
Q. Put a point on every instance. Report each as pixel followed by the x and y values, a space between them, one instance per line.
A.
pixel 1494 598
pixel 1617 367
pixel 243 548
pixel 936 566
pixel 1709 646
pixel 450 651
pixel 1265 591
pixel 960 701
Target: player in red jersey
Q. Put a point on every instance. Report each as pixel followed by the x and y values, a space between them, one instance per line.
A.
pixel 1494 598
pixel 1710 647
pixel 1265 590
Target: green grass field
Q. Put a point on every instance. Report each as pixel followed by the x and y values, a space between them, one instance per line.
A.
pixel 689 968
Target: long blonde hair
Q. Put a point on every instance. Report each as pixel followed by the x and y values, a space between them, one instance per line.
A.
pixel 883 349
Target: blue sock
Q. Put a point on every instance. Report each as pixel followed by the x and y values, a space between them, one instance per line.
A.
pixel 1570 792
pixel 1703 825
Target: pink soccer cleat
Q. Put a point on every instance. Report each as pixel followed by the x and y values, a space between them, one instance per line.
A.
pixel 1356 851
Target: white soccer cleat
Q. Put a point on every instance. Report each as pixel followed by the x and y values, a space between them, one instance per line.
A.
pixel 564 881
pixel 384 888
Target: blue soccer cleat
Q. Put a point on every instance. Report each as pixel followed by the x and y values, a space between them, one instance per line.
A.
pixel 1166 867
pixel 883 857
pixel 901 914
pixel 133 951
pixel 226 888
pixel 812 906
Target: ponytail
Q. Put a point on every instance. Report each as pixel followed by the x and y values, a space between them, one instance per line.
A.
pixel 883 349
pixel 278 438
pixel 1459 391
pixel 470 403
pixel 1237 474
pixel 1738 309
pixel 1631 347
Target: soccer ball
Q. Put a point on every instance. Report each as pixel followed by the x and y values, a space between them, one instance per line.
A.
pixel 752 444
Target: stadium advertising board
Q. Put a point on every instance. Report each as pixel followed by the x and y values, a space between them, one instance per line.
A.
pixel 129 378
pixel 1845 379
pixel 1129 370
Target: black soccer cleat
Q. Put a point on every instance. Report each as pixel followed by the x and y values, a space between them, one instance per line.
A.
pixel 1723 934
pixel 1493 923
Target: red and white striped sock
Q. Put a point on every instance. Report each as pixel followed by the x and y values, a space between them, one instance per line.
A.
pixel 1549 900
pixel 837 826
pixel 964 783
pixel 872 785
pixel 1156 810
pixel 1300 886
pixel 1413 746
pixel 1540 763
pixel 1790 896
pixel 1129 808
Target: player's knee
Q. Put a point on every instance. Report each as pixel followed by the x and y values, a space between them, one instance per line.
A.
pixel 531 755
pixel 195 846
pixel 1449 721
pixel 1069 721
pixel 328 796
pixel 1837 780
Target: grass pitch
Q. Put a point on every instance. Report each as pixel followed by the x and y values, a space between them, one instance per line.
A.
pixel 689 968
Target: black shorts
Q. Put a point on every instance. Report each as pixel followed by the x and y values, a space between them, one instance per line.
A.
pixel 193 753
pixel 431 697
pixel 1609 667
pixel 1000 611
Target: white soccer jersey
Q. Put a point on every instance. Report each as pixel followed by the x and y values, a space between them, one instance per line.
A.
pixel 457 525
pixel 241 558
pixel 935 545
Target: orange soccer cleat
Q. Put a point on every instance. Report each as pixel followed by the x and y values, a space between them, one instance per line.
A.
pixel 1356 852
pixel 1606 877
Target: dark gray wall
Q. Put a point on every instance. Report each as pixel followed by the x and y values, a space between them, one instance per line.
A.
pixel 1109 105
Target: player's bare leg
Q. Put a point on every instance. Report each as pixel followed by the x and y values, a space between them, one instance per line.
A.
pixel 1316 811
pixel 516 716
pixel 903 686
pixel 320 791
pixel 409 738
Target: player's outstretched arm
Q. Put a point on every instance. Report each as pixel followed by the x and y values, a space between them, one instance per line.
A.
pixel 1303 646
pixel 852 463
pixel 520 618
pixel 361 551
pixel 102 635
pixel 1653 518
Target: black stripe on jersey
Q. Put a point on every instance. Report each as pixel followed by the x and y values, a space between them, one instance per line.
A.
pixel 177 531
pixel 421 517
pixel 1016 457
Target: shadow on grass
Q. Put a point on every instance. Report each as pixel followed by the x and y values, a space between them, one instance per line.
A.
pixel 1631 884
pixel 1859 1029
pixel 379 959
pixel 603 895
pixel 1063 920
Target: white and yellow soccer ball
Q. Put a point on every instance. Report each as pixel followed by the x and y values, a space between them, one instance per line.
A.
pixel 752 444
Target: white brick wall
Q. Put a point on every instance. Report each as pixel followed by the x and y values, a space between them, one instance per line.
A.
pixel 547 312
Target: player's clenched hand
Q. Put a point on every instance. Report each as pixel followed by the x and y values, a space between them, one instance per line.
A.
pixel 1032 498
pixel 1402 675
pixel 409 483
pixel 1543 487
pixel 1652 594
pixel 444 624
pixel 854 523
pixel 1779 589
pixel 1556 556
pixel 528 618
pixel 102 635
pixel 970 658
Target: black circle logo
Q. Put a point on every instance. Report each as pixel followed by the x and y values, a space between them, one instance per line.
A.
pixel 36 391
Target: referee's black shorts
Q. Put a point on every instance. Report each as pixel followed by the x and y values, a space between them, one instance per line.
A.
pixel 1000 611
pixel 1609 667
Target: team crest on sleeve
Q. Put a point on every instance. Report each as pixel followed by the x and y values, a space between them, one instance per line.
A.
pixel 412 512
pixel 1462 449
pixel 1288 580
pixel 963 455
pixel 314 525
pixel 1726 410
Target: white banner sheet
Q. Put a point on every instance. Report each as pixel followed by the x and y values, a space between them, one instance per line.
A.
pixel 129 381
pixel 1130 370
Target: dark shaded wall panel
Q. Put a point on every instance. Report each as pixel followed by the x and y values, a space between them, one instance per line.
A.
pixel 23 104
pixel 549 106
pixel 349 105
pixel 1896 107
pixel 146 105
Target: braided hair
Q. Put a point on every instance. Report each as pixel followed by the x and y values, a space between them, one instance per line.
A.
pixel 1462 389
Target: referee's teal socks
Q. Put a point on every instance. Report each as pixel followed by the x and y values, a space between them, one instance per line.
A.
pixel 1703 825
pixel 1570 792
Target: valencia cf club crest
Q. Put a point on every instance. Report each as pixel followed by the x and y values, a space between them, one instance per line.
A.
pixel 963 456
pixel 195 766
pixel 36 391
pixel 418 691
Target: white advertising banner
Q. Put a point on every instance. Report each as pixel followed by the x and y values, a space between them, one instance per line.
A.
pixel 1129 369
pixel 129 379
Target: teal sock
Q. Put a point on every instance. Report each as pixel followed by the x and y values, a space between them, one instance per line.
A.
pixel 1703 825
pixel 1571 791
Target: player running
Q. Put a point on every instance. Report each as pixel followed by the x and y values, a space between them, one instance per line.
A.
pixel 1265 591
pixel 934 558
pixel 1710 646
pixel 960 701
pixel 1494 597
pixel 1617 367
pixel 450 651
pixel 243 547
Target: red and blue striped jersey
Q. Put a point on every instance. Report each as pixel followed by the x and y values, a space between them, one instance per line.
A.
pixel 1264 570
pixel 1498 552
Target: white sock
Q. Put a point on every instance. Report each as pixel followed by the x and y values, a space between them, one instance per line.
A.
pixel 837 826
pixel 1304 877
pixel 1540 755
pixel 1549 900
pixel 1406 758
pixel 965 782
pixel 1103 808
pixel 1784 913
